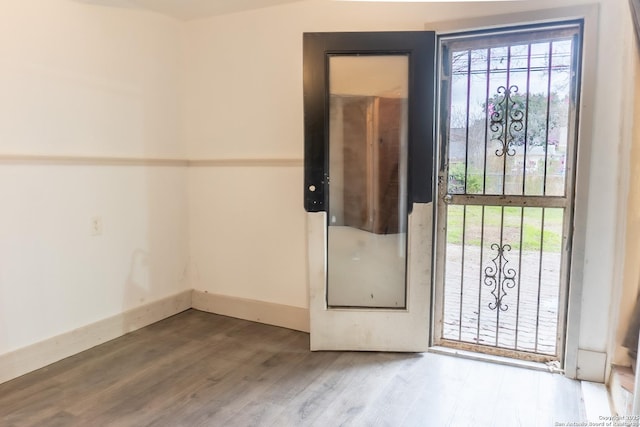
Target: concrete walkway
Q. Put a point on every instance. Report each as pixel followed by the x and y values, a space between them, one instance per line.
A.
pixel 519 325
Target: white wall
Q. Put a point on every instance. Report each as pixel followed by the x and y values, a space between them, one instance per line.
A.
pixel 248 239
pixel 243 100
pixel 629 223
pixel 79 80
pixel 613 88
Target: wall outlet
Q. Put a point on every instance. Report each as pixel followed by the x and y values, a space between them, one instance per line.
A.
pixel 96 226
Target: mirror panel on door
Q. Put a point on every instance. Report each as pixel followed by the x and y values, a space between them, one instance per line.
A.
pixel 367 221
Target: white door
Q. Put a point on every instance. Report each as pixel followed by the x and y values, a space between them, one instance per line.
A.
pixel 369 101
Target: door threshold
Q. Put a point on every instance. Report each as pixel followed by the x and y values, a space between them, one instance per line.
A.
pixel 501 360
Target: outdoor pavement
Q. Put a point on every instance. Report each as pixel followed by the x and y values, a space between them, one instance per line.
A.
pixel 520 325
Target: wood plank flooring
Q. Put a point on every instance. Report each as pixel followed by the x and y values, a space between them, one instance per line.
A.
pixel 201 369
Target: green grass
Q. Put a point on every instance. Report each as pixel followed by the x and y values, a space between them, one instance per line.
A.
pixel 493 219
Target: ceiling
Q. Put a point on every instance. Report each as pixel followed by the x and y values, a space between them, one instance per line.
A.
pixel 190 9
pixel 194 9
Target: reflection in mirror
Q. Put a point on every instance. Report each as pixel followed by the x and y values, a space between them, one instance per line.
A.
pixel 367 219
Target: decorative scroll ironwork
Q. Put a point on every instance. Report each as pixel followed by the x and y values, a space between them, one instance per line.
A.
pixel 500 277
pixel 506 120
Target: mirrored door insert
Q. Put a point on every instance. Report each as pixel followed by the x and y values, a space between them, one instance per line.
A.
pixel 367 218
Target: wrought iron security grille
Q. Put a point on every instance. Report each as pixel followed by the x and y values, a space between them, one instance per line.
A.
pixel 506 186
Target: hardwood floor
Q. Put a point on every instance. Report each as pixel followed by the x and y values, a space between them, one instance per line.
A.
pixel 200 369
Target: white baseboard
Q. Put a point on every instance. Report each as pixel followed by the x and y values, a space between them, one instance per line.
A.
pixel 591 365
pixel 43 353
pixel 285 316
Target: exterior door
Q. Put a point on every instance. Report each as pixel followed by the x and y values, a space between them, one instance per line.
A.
pixel 368 102
pixel 506 189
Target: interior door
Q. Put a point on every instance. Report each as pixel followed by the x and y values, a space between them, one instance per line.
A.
pixel 368 188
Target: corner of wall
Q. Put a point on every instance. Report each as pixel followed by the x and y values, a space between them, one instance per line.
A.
pixel 627 270
pixel 43 353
